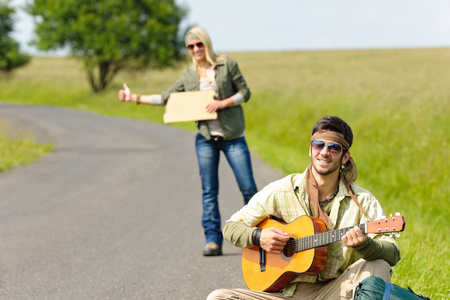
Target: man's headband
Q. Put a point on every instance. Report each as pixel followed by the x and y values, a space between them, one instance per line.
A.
pixel 331 136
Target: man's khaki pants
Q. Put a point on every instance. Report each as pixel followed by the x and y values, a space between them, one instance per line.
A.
pixel 340 288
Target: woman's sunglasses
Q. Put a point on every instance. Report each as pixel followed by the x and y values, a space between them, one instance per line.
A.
pixel 334 148
pixel 199 45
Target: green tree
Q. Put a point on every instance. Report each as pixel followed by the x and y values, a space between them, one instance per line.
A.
pixel 110 35
pixel 10 56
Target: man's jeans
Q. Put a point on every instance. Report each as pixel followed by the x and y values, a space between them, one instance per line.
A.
pixel 208 154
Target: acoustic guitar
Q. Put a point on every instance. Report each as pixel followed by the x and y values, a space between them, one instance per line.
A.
pixel 304 253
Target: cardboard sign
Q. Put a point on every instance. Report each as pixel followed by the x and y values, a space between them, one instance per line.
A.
pixel 189 106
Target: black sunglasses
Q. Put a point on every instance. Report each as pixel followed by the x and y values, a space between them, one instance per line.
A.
pixel 334 148
pixel 199 45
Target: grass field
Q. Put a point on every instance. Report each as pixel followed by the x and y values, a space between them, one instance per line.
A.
pixel 21 149
pixel 396 101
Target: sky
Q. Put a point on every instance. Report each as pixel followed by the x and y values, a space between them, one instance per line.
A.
pixel 287 25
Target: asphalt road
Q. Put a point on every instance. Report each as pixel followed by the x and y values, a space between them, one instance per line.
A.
pixel 112 213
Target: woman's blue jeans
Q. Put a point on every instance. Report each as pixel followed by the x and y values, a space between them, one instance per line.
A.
pixel 208 154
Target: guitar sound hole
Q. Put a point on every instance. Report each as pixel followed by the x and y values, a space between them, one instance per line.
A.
pixel 289 248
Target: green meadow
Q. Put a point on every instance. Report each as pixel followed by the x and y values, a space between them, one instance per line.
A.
pixel 396 101
pixel 20 149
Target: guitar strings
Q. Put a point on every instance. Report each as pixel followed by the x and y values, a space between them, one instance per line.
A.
pixel 317 240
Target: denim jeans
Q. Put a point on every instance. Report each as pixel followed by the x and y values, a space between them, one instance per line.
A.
pixel 208 154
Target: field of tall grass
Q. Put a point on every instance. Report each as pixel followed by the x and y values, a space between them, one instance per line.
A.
pixel 396 101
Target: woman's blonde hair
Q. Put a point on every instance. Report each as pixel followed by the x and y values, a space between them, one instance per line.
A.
pixel 203 36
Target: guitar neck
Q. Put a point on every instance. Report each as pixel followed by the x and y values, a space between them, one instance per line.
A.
pixel 325 238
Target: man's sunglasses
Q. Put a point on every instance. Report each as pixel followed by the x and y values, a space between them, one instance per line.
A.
pixel 199 45
pixel 334 148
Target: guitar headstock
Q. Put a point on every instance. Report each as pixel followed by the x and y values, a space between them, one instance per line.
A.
pixel 387 225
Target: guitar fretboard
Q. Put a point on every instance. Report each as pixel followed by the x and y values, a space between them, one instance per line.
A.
pixel 321 239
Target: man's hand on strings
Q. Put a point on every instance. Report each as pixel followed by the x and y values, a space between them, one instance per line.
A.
pixel 354 237
pixel 273 240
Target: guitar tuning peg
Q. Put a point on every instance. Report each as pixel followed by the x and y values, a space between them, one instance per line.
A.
pixel 397 214
pixel 390 215
pixel 397 235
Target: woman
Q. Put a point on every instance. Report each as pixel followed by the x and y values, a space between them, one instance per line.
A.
pixel 226 133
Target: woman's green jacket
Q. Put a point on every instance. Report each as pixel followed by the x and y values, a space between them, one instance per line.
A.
pixel 229 81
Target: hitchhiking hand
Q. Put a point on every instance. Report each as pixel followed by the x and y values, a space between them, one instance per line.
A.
pixel 125 94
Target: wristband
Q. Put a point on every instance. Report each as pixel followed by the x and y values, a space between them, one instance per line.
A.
pixel 138 99
pixel 255 236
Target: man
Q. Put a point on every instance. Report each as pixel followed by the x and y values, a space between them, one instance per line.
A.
pixel 326 191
